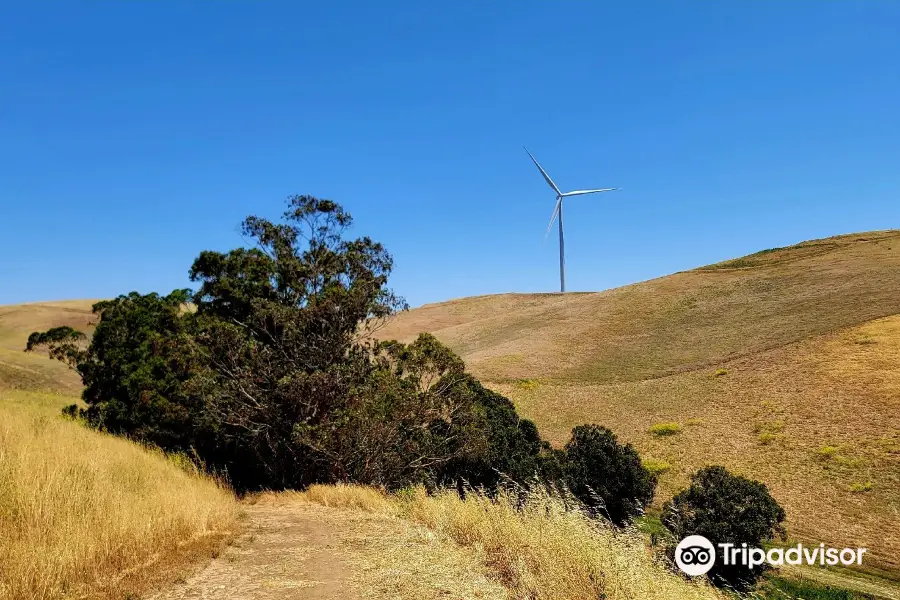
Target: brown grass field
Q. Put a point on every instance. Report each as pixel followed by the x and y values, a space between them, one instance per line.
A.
pixel 83 514
pixel 88 515
pixel 783 366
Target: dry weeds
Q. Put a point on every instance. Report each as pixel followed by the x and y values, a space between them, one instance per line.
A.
pixel 83 514
pixel 540 552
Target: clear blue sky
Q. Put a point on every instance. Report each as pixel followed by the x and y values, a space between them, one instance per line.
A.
pixel 135 134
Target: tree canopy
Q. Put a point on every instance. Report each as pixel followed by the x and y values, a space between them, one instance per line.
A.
pixel 271 373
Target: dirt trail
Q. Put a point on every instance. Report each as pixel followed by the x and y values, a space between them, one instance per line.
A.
pixel 286 553
pixel 296 550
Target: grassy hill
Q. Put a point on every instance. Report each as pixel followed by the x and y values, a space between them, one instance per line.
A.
pixel 34 371
pixel 783 365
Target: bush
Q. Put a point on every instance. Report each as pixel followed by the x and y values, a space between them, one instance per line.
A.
pixel 607 476
pixel 499 444
pixel 725 508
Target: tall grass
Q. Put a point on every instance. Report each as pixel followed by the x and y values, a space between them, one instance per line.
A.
pixel 79 510
pixel 541 551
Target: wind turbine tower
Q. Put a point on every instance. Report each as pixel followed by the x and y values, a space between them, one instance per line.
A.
pixel 558 212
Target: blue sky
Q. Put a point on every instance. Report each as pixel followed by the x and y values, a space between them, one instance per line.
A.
pixel 135 134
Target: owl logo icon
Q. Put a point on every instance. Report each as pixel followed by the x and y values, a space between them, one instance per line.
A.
pixel 695 555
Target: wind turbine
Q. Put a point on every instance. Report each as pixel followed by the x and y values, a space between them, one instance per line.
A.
pixel 558 211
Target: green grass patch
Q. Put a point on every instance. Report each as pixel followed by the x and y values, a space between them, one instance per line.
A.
pixel 861 487
pixel 655 466
pixel 827 451
pixel 766 438
pixel 665 429
pixel 771 427
pixel 527 384
pixel 651 525
pixel 782 588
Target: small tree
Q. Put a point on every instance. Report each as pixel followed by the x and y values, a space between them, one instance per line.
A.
pixel 605 475
pixel 725 508
pixel 284 334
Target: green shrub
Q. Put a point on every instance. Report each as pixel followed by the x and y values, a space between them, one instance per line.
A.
pixel 720 373
pixel 273 379
pixel 664 429
pixel 607 476
pixel 725 508
pixel 859 488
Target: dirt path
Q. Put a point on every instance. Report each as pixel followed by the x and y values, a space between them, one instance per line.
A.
pixel 286 553
pixel 295 550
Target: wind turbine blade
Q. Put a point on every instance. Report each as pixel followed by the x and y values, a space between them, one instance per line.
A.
pixel 553 217
pixel 582 192
pixel 544 173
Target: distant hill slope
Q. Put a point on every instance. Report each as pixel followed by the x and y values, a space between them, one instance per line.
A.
pixel 34 371
pixel 672 324
pixel 783 365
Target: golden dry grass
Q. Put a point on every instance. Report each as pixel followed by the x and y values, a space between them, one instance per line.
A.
pixel 540 552
pixel 84 515
pixel 762 360
pixel 673 324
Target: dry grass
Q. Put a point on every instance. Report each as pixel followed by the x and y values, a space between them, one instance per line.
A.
pixel 673 324
pixel 84 514
pixel 360 539
pixel 765 359
pixel 33 370
pixel 810 420
pixel 541 552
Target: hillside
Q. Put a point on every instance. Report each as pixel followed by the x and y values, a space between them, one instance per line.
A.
pixel 33 371
pixel 782 365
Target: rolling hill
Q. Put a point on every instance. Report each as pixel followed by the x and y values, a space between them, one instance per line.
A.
pixel 33 370
pixel 783 365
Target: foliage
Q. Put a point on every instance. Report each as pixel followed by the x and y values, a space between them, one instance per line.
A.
pixel 499 445
pixel 133 370
pixel 63 342
pixel 606 475
pixel 288 363
pixel 270 373
pixel 725 508
pixel 656 466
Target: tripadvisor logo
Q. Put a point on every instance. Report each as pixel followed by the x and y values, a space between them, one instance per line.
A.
pixel 696 555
